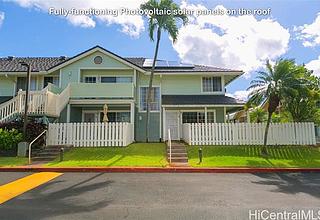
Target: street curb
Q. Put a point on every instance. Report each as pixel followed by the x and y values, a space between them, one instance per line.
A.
pixel 156 169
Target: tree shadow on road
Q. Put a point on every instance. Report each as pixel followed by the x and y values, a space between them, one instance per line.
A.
pixel 292 183
pixel 43 203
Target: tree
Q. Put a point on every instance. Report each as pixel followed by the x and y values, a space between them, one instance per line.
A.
pixel 271 86
pixel 258 115
pixel 303 106
pixel 158 23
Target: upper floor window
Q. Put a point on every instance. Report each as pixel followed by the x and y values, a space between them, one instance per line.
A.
pixel 155 99
pixel 211 84
pixel 50 79
pixel 117 79
pixel 90 79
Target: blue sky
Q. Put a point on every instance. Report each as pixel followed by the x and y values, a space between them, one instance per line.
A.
pixel 28 30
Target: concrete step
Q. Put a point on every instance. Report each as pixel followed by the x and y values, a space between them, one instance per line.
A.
pixel 178 154
pixel 45 154
pixel 179 164
pixel 44 158
pixel 177 148
pixel 179 160
pixel 177 151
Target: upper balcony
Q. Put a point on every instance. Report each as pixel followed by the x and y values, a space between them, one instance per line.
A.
pixel 101 90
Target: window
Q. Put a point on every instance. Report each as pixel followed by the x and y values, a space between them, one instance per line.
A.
pixel 121 79
pixel 53 80
pixel 89 117
pixel 116 116
pixel 22 83
pixel 197 117
pixel 90 79
pixel 211 84
pixel 155 99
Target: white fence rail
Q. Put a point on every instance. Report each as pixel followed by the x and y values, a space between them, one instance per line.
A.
pixel 249 134
pixel 90 134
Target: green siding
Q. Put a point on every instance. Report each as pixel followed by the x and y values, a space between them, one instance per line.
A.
pixel 102 90
pixel 106 72
pixel 6 86
pixel 181 85
pixel 140 127
pixel 71 73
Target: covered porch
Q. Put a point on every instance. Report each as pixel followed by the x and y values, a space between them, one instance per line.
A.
pixel 181 109
pixel 92 110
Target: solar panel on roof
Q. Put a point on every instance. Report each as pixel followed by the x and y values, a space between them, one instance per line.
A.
pixel 166 64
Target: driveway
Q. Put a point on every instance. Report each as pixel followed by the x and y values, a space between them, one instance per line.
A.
pixel 162 196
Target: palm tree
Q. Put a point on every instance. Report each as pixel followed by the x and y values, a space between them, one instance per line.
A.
pixel 160 23
pixel 272 86
pixel 258 115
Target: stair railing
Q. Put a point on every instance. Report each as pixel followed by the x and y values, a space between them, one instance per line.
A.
pixel 34 140
pixel 169 143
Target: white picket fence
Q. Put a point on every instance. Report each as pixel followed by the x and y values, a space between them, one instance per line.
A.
pixel 249 134
pixel 90 134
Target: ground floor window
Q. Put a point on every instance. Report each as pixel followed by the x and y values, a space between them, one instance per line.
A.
pixel 197 117
pixel 97 116
pixel 116 116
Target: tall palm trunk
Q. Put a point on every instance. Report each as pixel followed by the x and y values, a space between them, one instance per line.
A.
pixel 150 84
pixel 264 151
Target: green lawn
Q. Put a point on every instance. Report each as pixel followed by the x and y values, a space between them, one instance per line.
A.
pixel 138 154
pixel 13 161
pixel 249 156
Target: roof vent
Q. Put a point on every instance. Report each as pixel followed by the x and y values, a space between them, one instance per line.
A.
pixel 10 58
pixel 62 58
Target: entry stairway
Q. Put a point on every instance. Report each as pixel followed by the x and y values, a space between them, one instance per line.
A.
pixel 40 103
pixel 48 153
pixel 179 155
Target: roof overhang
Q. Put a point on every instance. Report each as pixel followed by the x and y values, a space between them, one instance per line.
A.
pixel 197 73
pixel 203 106
pixel 93 50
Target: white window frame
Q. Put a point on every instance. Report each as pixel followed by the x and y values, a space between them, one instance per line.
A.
pixel 127 76
pixel 213 92
pixel 85 76
pixel 55 77
pixel 98 112
pixel 154 86
pixel 202 111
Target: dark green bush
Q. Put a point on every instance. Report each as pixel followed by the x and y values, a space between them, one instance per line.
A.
pixel 9 139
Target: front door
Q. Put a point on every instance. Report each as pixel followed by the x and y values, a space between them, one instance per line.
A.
pixel 172 123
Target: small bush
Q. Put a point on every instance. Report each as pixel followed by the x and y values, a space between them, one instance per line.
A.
pixel 9 139
pixel 33 130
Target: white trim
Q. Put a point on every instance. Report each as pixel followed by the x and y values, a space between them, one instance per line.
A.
pixel 84 77
pixel 195 106
pixel 225 114
pixel 214 92
pixel 146 86
pixel 105 68
pixel 60 78
pixel 91 51
pixel 198 73
pixel 97 114
pixel 99 101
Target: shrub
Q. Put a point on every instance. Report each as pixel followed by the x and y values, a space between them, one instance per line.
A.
pixel 9 139
pixel 33 130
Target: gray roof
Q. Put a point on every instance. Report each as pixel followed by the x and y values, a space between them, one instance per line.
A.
pixel 200 100
pixel 12 64
pixel 37 63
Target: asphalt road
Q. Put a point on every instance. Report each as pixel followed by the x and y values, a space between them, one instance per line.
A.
pixel 162 196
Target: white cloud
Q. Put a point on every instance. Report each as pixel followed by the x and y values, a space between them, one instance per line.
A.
pixel 310 33
pixel 240 95
pixel 315 66
pixel 130 24
pixel 1 18
pixel 241 42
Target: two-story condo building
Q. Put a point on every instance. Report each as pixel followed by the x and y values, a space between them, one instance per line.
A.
pixel 83 84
